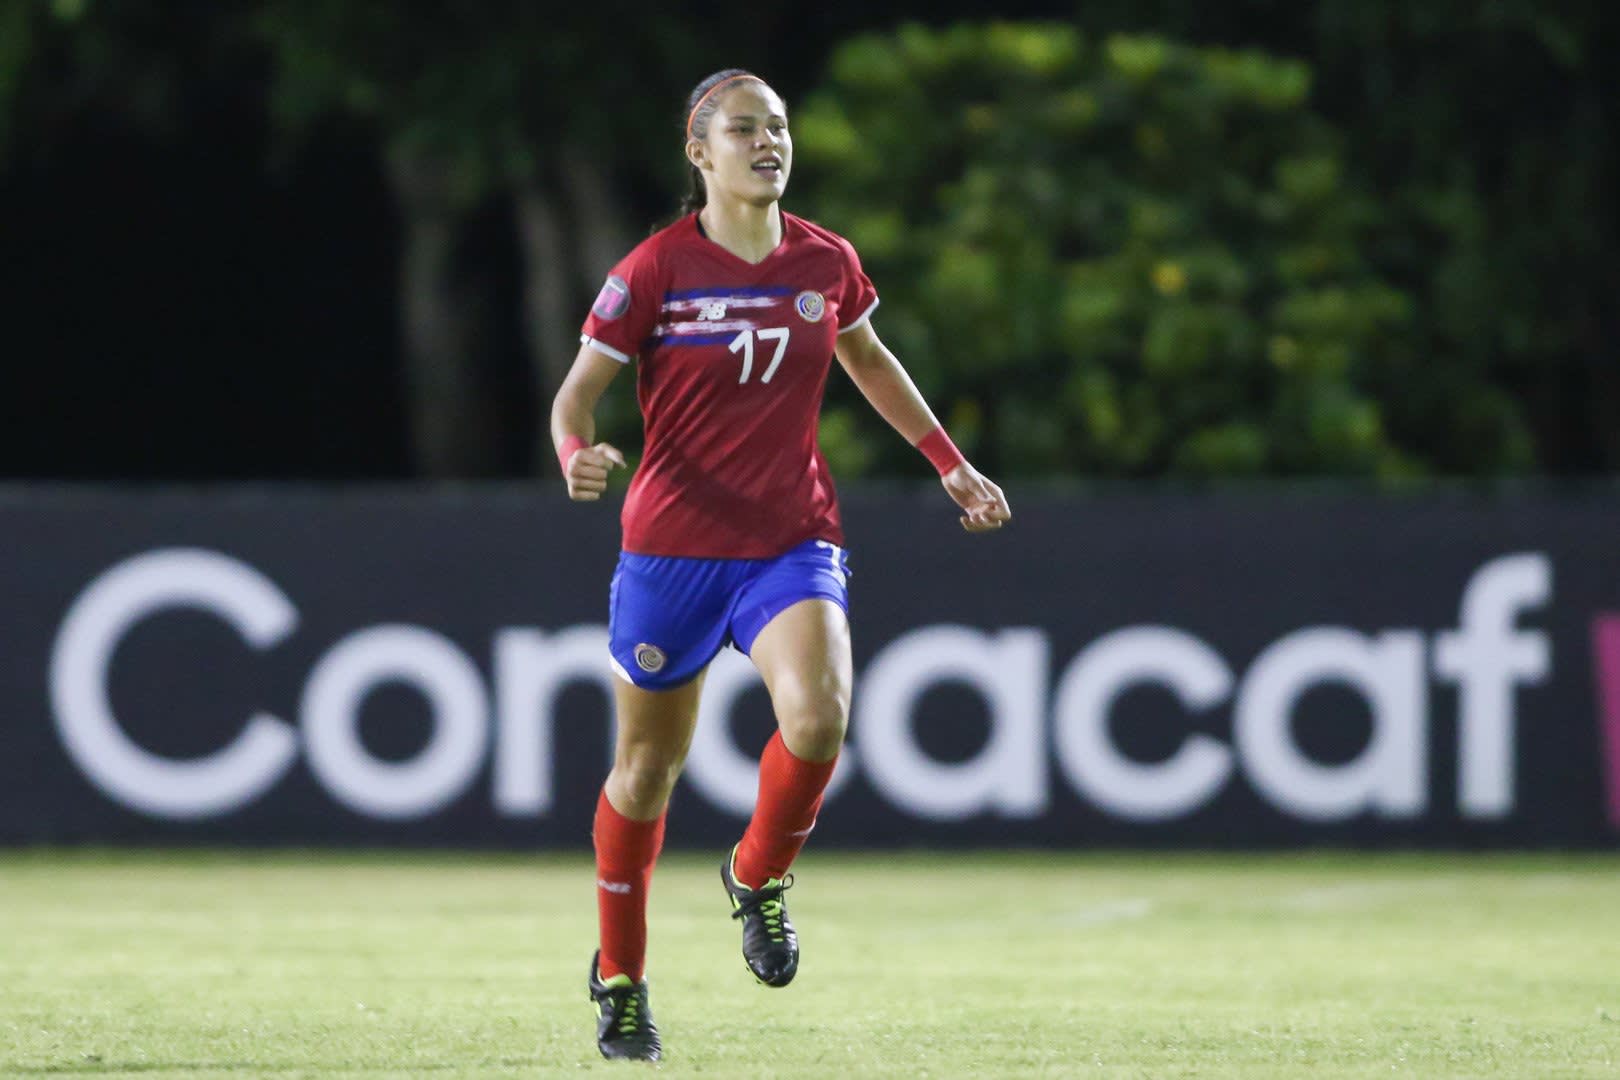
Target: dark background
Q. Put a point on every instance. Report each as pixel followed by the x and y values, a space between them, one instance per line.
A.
pixel 199 300
pixel 190 305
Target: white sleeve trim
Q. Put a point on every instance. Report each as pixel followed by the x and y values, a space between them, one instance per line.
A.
pixel 867 314
pixel 586 339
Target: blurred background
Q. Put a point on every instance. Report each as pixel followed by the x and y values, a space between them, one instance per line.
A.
pixel 296 281
pixel 1157 239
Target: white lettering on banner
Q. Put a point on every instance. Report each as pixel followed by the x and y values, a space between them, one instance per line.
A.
pixel 436 774
pixel 531 669
pixel 90 632
pixel 1108 667
pixel 1007 669
pixel 1387 671
pixel 1486 657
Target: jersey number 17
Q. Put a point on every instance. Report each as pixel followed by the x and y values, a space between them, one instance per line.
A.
pixel 744 343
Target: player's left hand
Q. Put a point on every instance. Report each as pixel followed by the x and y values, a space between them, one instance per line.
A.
pixel 986 506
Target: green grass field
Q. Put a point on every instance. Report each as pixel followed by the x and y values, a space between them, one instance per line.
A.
pixel 300 964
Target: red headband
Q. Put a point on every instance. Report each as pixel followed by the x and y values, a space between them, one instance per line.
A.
pixel 710 93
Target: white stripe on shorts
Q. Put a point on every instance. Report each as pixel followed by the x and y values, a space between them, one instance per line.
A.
pixel 838 567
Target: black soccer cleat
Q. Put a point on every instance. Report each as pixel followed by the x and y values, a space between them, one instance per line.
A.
pixel 770 946
pixel 624 1022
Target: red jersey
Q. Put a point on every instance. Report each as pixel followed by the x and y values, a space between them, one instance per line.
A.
pixel 733 365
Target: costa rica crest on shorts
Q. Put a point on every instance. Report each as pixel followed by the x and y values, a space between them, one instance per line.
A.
pixel 650 658
pixel 613 300
pixel 810 305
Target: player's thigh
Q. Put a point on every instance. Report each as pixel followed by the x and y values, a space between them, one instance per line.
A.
pixel 803 654
pixel 654 727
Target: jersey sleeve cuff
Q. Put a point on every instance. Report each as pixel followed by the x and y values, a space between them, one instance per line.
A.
pixel 604 348
pixel 865 315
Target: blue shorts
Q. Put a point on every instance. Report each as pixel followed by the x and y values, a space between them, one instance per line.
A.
pixel 669 616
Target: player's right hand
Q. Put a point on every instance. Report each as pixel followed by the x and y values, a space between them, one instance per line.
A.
pixel 974 492
pixel 587 471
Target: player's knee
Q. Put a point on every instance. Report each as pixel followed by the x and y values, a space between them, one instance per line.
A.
pixel 813 721
pixel 645 782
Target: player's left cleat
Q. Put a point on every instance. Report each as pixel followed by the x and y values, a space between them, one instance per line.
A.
pixel 624 1023
pixel 770 947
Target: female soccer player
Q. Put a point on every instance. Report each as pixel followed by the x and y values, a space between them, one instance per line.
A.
pixel 731 531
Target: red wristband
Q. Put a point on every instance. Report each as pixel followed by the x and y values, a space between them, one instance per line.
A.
pixel 566 450
pixel 940 451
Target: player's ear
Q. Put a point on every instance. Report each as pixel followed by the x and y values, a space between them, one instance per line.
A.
pixel 697 154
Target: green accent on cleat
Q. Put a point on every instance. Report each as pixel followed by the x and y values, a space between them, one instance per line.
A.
pixel 624 1021
pixel 770 946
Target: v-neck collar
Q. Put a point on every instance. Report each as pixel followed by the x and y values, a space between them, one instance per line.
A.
pixel 727 253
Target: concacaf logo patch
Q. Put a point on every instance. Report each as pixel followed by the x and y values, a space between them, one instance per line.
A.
pixel 613 300
pixel 811 305
pixel 650 658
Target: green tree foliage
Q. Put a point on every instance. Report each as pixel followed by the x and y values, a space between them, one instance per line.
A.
pixel 1489 132
pixel 16 48
pixel 501 108
pixel 1124 257
pixel 1384 248
pixel 495 90
pixel 495 101
pixel 63 58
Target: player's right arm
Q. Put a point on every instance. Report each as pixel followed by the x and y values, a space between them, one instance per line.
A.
pixel 585 462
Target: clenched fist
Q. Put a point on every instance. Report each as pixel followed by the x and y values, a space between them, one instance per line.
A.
pixel 587 470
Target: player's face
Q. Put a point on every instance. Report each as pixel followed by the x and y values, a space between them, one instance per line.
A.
pixel 748 146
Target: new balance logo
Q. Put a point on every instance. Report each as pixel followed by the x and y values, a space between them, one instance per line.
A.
pixel 713 311
pixel 620 887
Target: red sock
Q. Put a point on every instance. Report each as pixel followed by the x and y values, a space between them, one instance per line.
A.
pixel 784 813
pixel 625 853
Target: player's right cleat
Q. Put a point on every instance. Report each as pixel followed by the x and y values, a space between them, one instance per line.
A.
pixel 770 947
pixel 624 1022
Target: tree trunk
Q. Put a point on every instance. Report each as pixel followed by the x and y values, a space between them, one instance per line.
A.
pixel 453 424
pixel 548 306
pixel 601 236
pixel 567 253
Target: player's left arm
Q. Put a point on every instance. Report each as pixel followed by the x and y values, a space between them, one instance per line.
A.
pixel 882 380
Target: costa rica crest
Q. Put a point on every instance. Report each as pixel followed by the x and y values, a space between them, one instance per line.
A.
pixel 810 305
pixel 650 658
